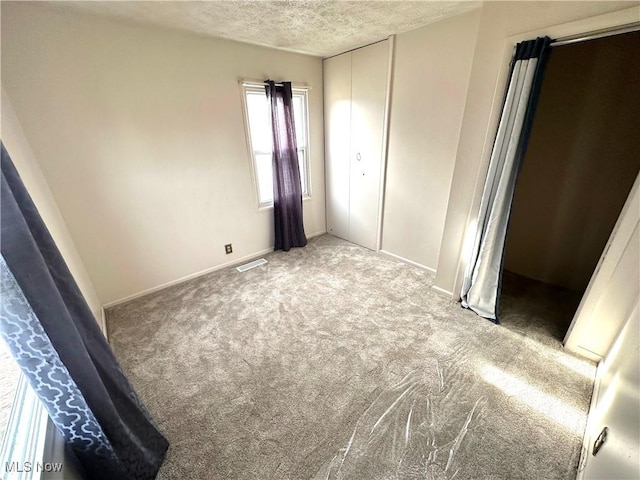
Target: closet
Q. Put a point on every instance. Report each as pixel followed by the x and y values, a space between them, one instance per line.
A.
pixel 355 98
pixel 562 264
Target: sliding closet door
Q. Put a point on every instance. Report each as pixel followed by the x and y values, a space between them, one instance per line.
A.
pixel 337 117
pixel 369 67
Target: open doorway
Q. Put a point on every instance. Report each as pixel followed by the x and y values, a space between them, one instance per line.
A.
pixel 581 162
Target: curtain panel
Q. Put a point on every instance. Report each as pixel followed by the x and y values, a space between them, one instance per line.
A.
pixel 483 276
pixel 52 334
pixel 287 190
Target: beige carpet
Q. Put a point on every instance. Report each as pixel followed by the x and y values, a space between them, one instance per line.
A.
pixel 334 362
pixel 536 310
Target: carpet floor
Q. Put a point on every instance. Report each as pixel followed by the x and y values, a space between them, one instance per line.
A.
pixel 535 309
pixel 335 362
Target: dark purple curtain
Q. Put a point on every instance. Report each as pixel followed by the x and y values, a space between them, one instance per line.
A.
pixel 287 190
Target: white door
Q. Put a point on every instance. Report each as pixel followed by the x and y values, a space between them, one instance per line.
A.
pixel 617 407
pixel 337 117
pixel 614 287
pixel 368 95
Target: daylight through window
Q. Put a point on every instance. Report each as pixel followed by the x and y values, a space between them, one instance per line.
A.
pixel 261 143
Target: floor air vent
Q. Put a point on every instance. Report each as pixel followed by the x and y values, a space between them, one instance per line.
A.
pixel 250 265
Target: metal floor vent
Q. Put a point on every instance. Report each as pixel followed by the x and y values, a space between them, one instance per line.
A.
pixel 250 265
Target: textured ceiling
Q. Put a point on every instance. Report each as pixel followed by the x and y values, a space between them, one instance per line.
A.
pixel 317 27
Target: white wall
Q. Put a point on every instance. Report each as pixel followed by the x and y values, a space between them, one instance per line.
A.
pixel 140 136
pixel 615 406
pixel 27 166
pixel 430 79
pixel 501 26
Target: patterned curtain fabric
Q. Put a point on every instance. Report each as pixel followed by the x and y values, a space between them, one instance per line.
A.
pixel 55 339
pixel 287 191
pixel 483 276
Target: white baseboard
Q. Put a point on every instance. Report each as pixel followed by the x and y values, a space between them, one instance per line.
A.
pixel 406 260
pixel 442 291
pixel 191 277
pixel 103 321
pixel 235 261
pixel 317 234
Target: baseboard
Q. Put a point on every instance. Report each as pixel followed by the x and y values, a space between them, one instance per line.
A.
pixel 317 234
pixel 442 291
pixel 187 278
pixel 191 277
pixel 406 260
pixel 103 321
pixel 583 352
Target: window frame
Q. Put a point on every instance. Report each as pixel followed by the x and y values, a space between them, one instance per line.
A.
pixel 305 174
pixel 32 440
pixel 27 436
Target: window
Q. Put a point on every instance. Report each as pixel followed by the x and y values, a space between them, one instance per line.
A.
pixel 9 379
pixel 258 117
pixel 23 425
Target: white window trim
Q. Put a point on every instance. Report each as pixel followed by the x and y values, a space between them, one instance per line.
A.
pixel 26 436
pixel 32 439
pixel 306 149
pixel 256 87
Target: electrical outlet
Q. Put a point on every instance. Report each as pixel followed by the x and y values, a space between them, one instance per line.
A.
pixel 228 248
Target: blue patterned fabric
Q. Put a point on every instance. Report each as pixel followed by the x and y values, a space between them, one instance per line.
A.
pixel 32 349
pixel 57 342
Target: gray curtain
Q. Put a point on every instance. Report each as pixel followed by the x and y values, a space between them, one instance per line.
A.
pixel 483 276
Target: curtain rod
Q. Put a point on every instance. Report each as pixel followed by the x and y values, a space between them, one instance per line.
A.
pixel 607 32
pixel 258 83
